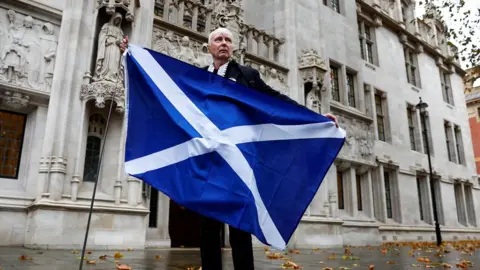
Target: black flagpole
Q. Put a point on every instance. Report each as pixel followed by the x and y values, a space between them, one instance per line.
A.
pixel 98 170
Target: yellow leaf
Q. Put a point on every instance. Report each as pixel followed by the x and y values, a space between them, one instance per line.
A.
pixel 118 255
pixel 91 262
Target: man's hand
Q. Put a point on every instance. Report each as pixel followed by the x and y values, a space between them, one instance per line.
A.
pixel 124 44
pixel 332 117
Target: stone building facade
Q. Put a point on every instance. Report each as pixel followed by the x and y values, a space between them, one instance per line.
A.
pixel 367 61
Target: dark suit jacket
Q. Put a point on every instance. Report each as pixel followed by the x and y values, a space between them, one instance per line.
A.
pixel 250 77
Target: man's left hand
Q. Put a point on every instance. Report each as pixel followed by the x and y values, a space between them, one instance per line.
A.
pixel 333 118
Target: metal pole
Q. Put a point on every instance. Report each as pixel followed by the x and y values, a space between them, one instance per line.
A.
pixel 432 188
pixel 98 170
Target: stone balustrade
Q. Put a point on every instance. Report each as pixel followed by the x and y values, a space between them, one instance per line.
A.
pixel 195 15
pixel 262 44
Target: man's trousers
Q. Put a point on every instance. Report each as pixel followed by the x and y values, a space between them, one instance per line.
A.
pixel 211 243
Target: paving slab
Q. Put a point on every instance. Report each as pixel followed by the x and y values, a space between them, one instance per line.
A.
pixel 390 256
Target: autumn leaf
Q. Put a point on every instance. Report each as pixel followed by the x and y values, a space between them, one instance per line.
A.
pixel 158 257
pixel 291 265
pixel 390 262
pixel 75 251
pixel 118 255
pixel 327 268
pixel 123 267
pixel 130 249
pixel 371 267
pixel 24 258
pixel 103 257
pixel 89 252
pixel 91 262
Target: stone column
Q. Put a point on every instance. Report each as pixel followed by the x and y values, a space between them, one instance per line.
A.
pixel 181 12
pixel 60 98
pixel 426 192
pixel 367 191
pixel 351 204
pixel 166 8
pixel 76 177
pixel 382 202
pixel 399 14
pixel 195 17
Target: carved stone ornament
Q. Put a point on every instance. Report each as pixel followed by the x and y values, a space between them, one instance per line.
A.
pixel 102 91
pixel 14 100
pixel 27 51
pixel 310 58
pixel 359 142
pixel 111 5
pixel 108 79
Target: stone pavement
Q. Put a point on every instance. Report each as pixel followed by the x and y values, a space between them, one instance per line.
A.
pixel 383 257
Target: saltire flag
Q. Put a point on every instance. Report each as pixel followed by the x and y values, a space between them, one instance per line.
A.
pixel 224 150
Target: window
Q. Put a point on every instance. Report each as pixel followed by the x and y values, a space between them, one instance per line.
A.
pixel 12 131
pixel 420 199
pixel 351 89
pixel 411 127
pixel 334 72
pixel 448 140
pixel 460 204
pixel 388 194
pixel 96 129
pixel 359 192
pixel 333 4
pixel 425 136
pixel 153 216
pixel 411 67
pixel 380 116
pixel 341 204
pixel 469 203
pixel 404 12
pixel 367 44
pixel 459 144
pixel 446 87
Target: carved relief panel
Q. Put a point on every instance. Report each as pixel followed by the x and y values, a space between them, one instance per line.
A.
pixel 181 47
pixel 360 138
pixel 273 76
pixel 28 47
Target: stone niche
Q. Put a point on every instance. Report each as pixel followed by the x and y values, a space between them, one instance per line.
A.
pixel 28 47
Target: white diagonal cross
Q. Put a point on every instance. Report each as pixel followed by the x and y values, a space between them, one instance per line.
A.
pixel 223 142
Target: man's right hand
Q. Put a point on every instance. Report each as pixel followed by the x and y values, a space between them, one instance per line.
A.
pixel 124 44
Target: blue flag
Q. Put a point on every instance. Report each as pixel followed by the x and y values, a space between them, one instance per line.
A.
pixel 224 150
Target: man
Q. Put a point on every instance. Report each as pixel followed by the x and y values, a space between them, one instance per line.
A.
pixel 220 47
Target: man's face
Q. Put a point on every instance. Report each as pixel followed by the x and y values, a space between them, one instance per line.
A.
pixel 221 47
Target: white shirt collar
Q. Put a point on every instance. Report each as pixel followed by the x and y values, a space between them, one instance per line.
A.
pixel 221 71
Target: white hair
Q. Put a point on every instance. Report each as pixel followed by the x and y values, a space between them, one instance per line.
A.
pixel 219 31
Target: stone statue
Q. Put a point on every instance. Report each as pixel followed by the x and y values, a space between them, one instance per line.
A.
pixel 204 58
pixel 313 99
pixel 108 52
pixel 274 81
pixel 14 61
pixel 31 44
pixel 186 52
pixel 165 43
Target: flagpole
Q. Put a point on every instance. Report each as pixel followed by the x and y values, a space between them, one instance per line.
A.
pixel 99 168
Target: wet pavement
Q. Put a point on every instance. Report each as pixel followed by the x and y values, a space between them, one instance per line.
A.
pixel 457 255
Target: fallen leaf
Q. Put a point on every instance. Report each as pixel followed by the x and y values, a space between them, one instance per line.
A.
pixel 103 257
pixel 390 262
pixel 123 267
pixel 118 255
pixel 446 265
pixel 75 251
pixel 89 252
pixel 371 267
pixel 158 257
pixel 24 258
pixel 130 249
pixel 327 268
pixel 91 262
pixel 290 264
pixel 316 249
pixel 266 248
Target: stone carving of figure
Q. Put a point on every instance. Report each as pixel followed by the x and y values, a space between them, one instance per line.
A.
pixel 108 52
pixel 165 44
pixel 49 66
pixel 274 81
pixel 263 72
pixel 204 58
pixel 14 61
pixel 313 99
pixel 186 52
pixel 31 43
